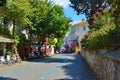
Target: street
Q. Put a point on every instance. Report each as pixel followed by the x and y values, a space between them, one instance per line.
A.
pixel 57 67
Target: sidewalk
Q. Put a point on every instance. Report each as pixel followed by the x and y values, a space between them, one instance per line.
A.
pixel 5 68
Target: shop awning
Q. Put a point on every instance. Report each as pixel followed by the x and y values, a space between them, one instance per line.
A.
pixel 6 40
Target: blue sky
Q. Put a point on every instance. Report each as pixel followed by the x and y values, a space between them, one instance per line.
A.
pixel 72 14
pixel 69 12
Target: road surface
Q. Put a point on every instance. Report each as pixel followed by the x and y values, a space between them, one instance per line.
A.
pixel 57 67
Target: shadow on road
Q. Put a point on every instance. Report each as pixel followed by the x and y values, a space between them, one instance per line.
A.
pixel 7 78
pixel 75 68
pixel 78 70
pixel 50 60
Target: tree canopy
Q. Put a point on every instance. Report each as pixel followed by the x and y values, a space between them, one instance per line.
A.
pixel 103 18
pixel 49 19
pixel 38 17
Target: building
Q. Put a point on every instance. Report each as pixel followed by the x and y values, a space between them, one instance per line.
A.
pixel 77 32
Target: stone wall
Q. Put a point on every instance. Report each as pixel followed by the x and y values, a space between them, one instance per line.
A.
pixel 106 64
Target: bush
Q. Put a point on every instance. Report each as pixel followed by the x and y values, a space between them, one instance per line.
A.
pixel 101 34
pixel 10 53
pixel 100 38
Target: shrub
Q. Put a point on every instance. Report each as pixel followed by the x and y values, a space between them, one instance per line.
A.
pixel 10 53
pixel 100 38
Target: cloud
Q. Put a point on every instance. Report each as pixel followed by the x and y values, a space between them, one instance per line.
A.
pixel 64 3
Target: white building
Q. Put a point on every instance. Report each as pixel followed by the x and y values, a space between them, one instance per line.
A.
pixel 77 32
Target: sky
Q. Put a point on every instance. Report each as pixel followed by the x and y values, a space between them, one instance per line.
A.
pixel 69 12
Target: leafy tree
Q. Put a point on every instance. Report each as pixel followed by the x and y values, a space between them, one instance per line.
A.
pixel 87 6
pixel 18 12
pixel 49 19
pixel 90 8
pixel 115 11
pixel 102 16
pixel 2 2
pixel 38 17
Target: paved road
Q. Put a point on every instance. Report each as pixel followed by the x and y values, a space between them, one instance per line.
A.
pixel 57 67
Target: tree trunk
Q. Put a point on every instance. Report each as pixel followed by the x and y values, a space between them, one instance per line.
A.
pixel 13 32
pixel 17 55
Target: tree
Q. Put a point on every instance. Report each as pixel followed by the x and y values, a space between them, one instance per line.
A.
pixel 38 17
pixel 17 12
pixel 2 2
pixel 102 16
pixel 49 19
pixel 90 8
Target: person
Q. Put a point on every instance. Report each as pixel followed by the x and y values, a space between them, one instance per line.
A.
pixel 59 51
pixel 26 54
pixel 46 45
pixel 42 53
pixel 37 52
pixel 31 49
pixel 14 58
pixel 4 52
pixel 31 52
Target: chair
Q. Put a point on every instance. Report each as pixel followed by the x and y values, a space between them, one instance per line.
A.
pixel 2 59
pixel 9 60
pixel 0 62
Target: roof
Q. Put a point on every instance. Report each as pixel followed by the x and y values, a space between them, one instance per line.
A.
pixel 82 23
pixel 6 40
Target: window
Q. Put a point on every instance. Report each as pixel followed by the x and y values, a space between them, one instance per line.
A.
pixel 84 27
pixel 77 29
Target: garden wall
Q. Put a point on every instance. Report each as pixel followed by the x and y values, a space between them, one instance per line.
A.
pixel 106 64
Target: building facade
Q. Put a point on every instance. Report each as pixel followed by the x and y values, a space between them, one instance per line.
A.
pixel 77 32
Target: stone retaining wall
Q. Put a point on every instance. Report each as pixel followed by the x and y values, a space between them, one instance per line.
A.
pixel 106 64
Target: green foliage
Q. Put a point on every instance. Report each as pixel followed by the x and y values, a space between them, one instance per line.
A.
pixel 104 22
pixel 49 19
pixel 4 31
pixel 19 11
pixel 39 17
pixel 101 34
pixel 52 41
pixel 10 53
pixel 101 38
pixel 115 11
pixel 84 42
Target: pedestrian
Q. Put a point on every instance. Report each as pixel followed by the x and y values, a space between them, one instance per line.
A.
pixel 42 51
pixel 26 54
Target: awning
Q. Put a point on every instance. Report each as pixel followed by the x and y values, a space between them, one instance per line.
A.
pixel 6 40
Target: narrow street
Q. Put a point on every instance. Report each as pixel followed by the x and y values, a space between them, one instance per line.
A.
pixel 57 67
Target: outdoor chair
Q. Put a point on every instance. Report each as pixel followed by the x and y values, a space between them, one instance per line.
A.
pixel 9 60
pixel 3 61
